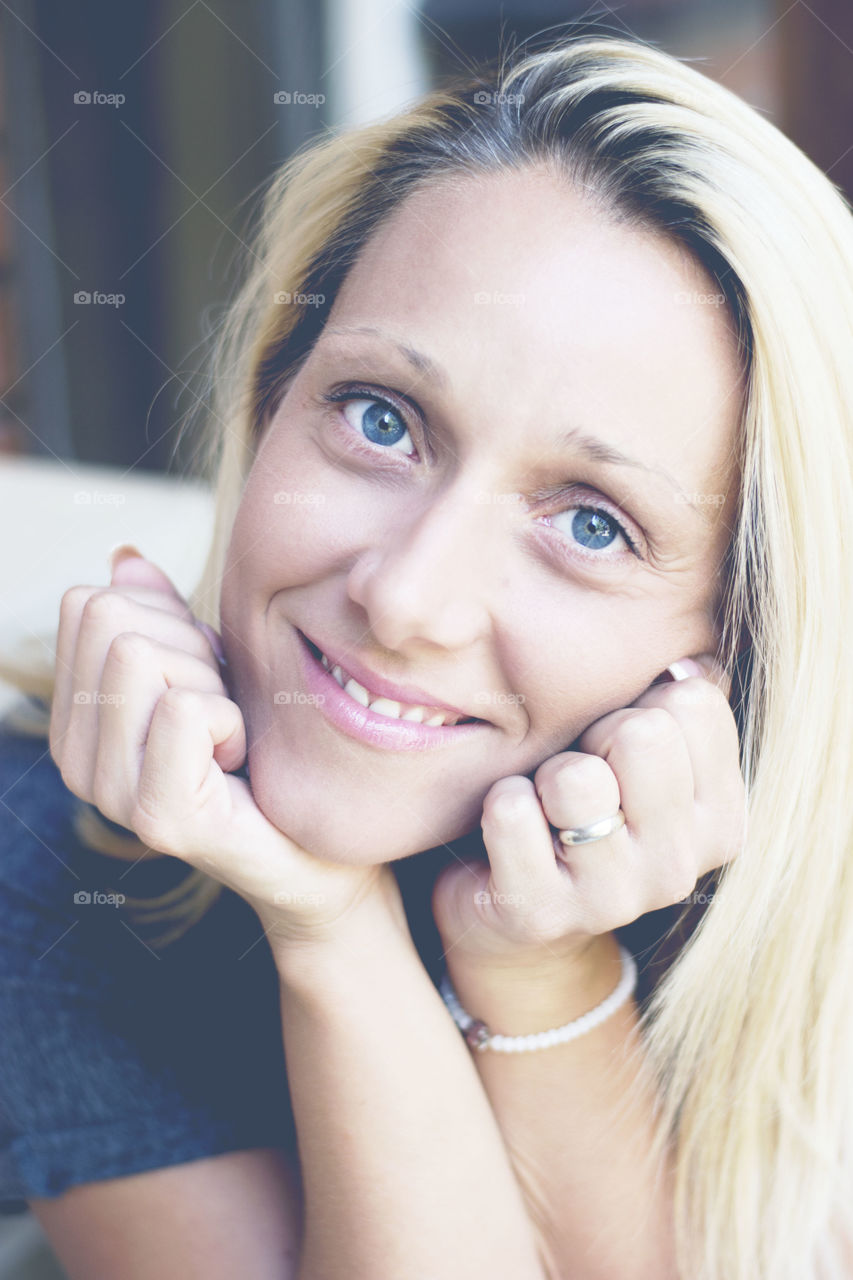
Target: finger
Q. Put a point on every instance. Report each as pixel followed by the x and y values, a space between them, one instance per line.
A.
pixel 135 577
pixel 646 750
pixel 136 572
pixel 710 732
pixel 71 610
pixel 178 768
pixel 706 665
pixel 575 790
pixel 705 718
pixel 520 848
pixel 105 615
pixel 593 890
pixel 187 807
pixel 578 789
pixel 137 672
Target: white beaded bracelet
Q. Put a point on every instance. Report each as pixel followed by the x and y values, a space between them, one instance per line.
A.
pixel 478 1035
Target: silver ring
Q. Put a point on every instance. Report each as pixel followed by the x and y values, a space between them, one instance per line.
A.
pixel 595 830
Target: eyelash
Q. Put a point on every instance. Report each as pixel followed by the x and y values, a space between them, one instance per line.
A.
pixel 356 391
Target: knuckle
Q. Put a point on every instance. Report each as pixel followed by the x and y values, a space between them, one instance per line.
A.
pixel 107 611
pixel 505 799
pixel 649 727
pixel 581 774
pixel 553 765
pixel 179 702
pixel 128 648
pixel 103 605
pixel 151 828
pixel 73 600
pixel 71 608
pixel 696 693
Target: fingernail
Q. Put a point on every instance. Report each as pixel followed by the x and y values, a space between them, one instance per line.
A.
pixel 684 669
pixel 121 551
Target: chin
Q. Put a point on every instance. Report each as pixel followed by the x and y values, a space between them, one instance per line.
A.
pixel 346 824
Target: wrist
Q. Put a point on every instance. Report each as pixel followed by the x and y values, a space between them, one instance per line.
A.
pixel 538 994
pixel 370 933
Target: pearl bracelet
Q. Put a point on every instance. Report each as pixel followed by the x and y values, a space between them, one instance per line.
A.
pixel 478 1035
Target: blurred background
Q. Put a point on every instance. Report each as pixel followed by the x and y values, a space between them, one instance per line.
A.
pixel 134 140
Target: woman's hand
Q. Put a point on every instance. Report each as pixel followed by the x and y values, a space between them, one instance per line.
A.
pixel 670 761
pixel 142 726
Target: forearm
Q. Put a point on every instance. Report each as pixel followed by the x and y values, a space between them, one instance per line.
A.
pixel 576 1118
pixel 404 1169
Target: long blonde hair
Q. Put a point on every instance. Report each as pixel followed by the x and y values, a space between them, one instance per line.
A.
pixel 749 1033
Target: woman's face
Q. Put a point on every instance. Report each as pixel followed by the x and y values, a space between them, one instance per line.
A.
pixel 460 517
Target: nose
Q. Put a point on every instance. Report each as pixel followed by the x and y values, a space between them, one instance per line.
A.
pixel 434 578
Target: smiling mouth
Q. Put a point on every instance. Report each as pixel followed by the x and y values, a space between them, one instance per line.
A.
pixel 381 706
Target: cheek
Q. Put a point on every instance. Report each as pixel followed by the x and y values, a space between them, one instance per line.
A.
pixel 600 661
pixel 288 525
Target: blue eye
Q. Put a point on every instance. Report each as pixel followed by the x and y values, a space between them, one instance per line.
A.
pixel 378 421
pixel 592 528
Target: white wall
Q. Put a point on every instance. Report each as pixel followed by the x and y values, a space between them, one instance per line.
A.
pixel 372 60
pixel 58 521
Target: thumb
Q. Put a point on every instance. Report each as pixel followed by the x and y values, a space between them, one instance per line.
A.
pixel 128 567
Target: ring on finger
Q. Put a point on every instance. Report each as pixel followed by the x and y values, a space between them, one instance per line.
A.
pixel 594 831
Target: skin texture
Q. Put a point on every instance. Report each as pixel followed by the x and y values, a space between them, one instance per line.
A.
pixel 415 557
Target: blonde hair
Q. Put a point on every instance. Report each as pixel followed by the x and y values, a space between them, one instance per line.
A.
pixel 749 1032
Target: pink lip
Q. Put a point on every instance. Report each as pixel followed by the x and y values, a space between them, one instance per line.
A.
pixel 359 722
pixel 395 692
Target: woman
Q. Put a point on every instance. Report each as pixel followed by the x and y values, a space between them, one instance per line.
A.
pixel 531 414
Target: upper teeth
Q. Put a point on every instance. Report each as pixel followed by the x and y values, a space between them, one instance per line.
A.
pixel 385 706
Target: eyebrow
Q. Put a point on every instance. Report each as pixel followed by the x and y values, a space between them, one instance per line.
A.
pixel 419 361
pixel 575 438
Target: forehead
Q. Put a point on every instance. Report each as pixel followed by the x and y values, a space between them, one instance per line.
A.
pixel 522 254
pixel 533 302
